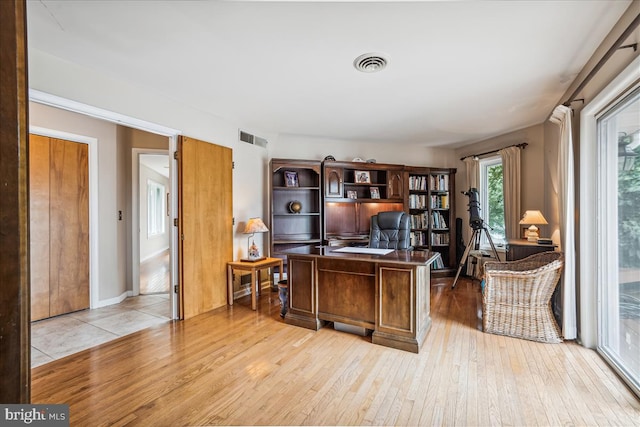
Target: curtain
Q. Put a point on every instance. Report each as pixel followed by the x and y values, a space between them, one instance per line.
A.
pixel 473 173
pixel 566 191
pixel 511 190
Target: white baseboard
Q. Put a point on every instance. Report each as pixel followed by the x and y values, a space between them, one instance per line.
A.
pixel 112 301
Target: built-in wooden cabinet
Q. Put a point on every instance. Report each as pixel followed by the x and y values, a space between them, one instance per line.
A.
pixel 296 204
pixel 338 200
pixel 355 191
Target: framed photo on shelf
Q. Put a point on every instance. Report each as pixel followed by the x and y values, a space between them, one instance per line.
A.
pixel 362 177
pixel 375 192
pixel 352 194
pixel 291 179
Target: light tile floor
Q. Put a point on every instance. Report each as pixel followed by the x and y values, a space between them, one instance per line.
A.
pixel 61 336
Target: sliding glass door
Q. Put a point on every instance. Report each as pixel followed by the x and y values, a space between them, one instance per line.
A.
pixel 618 236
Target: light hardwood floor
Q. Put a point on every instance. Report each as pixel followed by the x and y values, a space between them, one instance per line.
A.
pixel 236 366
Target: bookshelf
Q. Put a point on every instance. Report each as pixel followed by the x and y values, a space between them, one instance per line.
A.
pixel 429 202
pixel 295 224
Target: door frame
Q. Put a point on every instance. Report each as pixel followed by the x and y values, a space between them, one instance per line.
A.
pixel 93 200
pixel 110 116
pixel 135 212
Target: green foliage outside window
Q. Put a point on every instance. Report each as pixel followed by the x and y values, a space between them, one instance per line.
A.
pixel 496 201
pixel 629 217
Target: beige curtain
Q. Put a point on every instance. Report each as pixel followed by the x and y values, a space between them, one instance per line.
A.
pixel 566 191
pixel 511 189
pixel 473 173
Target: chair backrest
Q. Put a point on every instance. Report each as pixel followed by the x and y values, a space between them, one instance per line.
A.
pixel 390 230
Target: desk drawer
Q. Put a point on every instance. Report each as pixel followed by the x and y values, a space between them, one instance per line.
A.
pixel 347 265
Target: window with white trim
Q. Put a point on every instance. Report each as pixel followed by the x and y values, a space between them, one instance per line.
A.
pixel 492 199
pixel 155 208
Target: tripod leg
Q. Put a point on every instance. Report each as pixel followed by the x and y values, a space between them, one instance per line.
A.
pixel 495 252
pixel 463 260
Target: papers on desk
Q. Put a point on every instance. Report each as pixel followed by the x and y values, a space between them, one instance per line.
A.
pixel 361 250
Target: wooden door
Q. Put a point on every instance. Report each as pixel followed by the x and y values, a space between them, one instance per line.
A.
pixel 59 224
pixel 205 225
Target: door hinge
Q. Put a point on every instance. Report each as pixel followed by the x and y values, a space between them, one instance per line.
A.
pixel 175 222
pixel 175 289
pixel 233 221
pixel 233 165
pixel 175 155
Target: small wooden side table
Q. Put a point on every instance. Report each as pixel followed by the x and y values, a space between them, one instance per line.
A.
pixel 254 268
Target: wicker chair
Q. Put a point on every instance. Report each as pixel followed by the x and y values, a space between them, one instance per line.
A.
pixel 516 299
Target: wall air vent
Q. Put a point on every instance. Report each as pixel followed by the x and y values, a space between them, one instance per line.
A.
pixel 252 139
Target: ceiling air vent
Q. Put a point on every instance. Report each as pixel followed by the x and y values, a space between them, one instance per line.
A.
pixel 370 62
pixel 252 139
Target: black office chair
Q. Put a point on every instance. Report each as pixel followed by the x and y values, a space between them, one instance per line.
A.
pixel 390 230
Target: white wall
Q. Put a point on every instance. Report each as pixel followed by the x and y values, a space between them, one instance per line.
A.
pixel 305 147
pixel 151 245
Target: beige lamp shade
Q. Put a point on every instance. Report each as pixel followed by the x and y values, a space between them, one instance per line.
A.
pixel 533 218
pixel 254 225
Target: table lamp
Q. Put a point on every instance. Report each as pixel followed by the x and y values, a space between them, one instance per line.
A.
pixel 533 218
pixel 254 225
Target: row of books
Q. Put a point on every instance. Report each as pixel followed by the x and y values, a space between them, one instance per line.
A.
pixel 438 220
pixel 440 201
pixel 418 238
pixel 440 239
pixel 419 220
pixel 417 182
pixel 436 182
pixel 439 182
pixel 438 263
pixel 417 201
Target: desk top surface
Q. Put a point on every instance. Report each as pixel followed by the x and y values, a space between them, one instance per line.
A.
pixel 398 256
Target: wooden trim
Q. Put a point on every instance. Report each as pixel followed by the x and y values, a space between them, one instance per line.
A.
pixel 15 369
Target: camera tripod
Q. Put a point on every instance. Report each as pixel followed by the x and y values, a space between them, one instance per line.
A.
pixel 475 243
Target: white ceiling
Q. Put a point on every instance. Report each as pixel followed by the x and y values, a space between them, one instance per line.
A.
pixel 459 72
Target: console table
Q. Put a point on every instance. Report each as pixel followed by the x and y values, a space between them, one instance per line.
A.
pixel 387 293
pixel 254 268
pixel 521 248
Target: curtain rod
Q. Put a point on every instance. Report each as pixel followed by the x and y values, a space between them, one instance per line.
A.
pixel 617 45
pixel 521 145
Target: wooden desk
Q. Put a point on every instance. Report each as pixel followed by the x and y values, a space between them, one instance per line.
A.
pixel 254 268
pixel 521 248
pixel 389 294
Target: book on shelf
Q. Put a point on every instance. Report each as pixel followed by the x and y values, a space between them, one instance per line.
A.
pixel 419 220
pixel 439 182
pixel 417 201
pixel 417 238
pixel 417 183
pixel 440 201
pixel 440 239
pixel 438 220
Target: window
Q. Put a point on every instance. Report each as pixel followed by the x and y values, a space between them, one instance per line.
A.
pixel 155 208
pixel 492 199
pixel 618 149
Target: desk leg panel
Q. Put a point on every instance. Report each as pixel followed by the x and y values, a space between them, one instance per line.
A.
pixel 301 278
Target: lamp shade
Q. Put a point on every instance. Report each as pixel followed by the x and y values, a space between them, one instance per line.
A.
pixel 533 217
pixel 255 225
